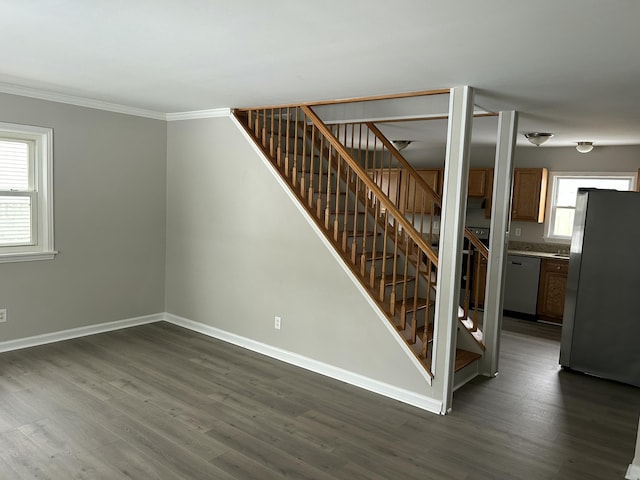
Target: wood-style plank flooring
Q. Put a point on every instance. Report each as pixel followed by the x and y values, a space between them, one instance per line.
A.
pixel 160 402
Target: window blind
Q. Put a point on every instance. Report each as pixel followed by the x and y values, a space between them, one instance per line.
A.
pixel 15 193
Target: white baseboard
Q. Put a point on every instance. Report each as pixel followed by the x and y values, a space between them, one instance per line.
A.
pixel 633 472
pixel 412 398
pixel 43 339
pixel 423 402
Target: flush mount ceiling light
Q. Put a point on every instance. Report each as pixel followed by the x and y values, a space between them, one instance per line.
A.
pixel 538 138
pixel 584 147
pixel 401 144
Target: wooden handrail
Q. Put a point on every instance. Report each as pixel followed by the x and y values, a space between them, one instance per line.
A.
pixel 482 248
pixel 370 98
pixel 371 185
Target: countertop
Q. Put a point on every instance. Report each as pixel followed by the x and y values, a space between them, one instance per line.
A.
pixel 531 253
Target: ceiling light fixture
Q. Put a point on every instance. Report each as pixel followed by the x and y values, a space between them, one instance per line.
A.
pixel 401 144
pixel 538 138
pixel 584 147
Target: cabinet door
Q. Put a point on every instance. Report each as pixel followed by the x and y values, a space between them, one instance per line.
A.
pixel 477 182
pixel 552 290
pixel 529 194
pixel 415 201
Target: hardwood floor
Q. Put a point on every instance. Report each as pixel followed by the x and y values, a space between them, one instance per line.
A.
pixel 161 402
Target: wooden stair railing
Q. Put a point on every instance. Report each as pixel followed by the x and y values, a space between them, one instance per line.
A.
pixel 384 250
pixel 418 200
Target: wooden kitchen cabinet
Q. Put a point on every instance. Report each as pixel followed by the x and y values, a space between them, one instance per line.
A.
pixel 389 181
pixel 413 200
pixel 552 289
pixel 529 194
pixel 478 182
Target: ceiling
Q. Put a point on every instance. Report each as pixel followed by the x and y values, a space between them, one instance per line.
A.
pixel 571 67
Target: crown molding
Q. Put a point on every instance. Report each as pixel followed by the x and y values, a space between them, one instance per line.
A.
pixel 197 114
pixel 80 101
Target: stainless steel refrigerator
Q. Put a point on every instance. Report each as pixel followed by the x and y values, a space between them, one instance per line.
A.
pixel 601 324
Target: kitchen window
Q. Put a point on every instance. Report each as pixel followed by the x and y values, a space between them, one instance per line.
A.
pixel 26 193
pixel 563 194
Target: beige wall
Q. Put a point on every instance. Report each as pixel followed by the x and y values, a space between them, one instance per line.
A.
pixel 239 252
pixel 109 200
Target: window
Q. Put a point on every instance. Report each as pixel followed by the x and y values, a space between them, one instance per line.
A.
pixel 26 197
pixel 563 195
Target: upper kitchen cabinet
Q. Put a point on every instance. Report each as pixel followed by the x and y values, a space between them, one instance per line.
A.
pixel 414 199
pixel 529 194
pixel 478 182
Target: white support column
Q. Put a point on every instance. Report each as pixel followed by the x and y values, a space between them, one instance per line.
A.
pixel 498 241
pixel 454 204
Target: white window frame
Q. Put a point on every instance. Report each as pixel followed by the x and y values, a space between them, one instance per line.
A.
pixel 42 247
pixel 552 194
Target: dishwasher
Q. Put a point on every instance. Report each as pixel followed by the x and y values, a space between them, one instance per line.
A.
pixel 521 289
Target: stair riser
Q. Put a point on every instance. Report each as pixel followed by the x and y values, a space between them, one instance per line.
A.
pixel 333 199
pixel 351 220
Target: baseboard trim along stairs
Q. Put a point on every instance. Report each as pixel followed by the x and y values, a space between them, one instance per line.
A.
pixel 411 398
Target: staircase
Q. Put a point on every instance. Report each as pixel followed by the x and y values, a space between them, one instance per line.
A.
pixel 357 188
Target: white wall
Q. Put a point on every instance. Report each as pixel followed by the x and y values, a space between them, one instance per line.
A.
pixel 109 208
pixel 239 252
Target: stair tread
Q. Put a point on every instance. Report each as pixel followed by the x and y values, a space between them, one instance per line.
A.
pixel 421 303
pixel 377 256
pixel 464 358
pixel 389 279
pixel 352 233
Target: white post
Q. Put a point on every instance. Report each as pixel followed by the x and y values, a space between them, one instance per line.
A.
pixel 498 241
pixel 633 472
pixel 454 204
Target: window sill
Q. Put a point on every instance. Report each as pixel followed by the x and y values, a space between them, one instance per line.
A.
pixel 26 256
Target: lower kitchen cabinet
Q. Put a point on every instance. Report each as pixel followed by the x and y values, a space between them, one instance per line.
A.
pixel 552 289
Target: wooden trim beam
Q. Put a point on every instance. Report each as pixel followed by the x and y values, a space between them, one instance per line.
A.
pixel 371 98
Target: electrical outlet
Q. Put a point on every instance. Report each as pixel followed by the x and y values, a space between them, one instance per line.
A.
pixel 3 314
pixel 518 232
pixel 277 323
